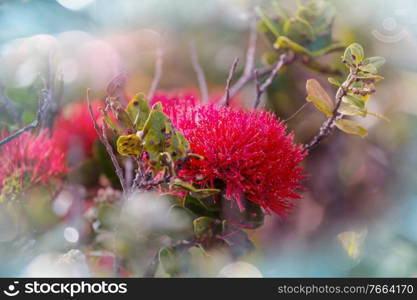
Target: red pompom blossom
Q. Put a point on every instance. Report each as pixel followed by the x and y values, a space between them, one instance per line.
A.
pixel 75 133
pixel 248 151
pixel 31 159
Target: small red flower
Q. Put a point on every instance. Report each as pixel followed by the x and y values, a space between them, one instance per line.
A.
pixel 31 159
pixel 248 151
pixel 74 131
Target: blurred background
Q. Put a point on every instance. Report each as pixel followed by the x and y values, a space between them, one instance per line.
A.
pixel 358 214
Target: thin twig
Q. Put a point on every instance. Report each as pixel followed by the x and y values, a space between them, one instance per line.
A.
pixel 103 138
pixel 128 164
pixel 249 64
pixel 258 89
pixel 250 61
pixel 43 105
pixel 8 105
pixel 200 73
pixel 296 113
pixel 328 125
pixel 241 83
pixel 229 80
pixel 283 60
pixel 32 125
pixel 158 72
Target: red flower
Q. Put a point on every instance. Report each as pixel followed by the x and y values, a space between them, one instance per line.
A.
pixel 75 133
pixel 30 159
pixel 248 151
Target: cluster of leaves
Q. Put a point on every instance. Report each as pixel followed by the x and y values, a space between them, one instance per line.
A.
pixel 353 94
pixel 307 33
pixel 147 134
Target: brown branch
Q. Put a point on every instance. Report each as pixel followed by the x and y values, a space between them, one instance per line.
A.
pixel 328 125
pixel 103 138
pixel 200 73
pixel 229 80
pixel 283 60
pixel 158 72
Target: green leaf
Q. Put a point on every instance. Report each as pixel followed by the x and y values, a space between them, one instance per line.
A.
pixel 196 192
pixel 281 12
pixel 110 122
pixel 353 54
pixel 318 96
pixel 298 30
pixel 176 145
pixel 121 115
pixel 174 261
pixel 355 101
pixel 368 68
pixel 205 227
pixel 138 110
pixel 376 61
pixel 334 81
pixel 320 14
pixel 351 127
pixel 156 131
pixel 368 77
pixel 271 25
pixel 201 207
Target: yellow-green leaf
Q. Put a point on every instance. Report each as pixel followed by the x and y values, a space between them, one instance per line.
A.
pixel 318 96
pixel 129 145
pixel 321 105
pixel 316 90
pixel 350 110
pixel 283 42
pixel 369 68
pixel 378 115
pixel 351 127
pixel 196 192
pixel 376 61
pixel 334 81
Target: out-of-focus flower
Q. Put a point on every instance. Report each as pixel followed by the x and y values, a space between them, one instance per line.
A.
pixel 74 131
pixel 248 152
pixel 29 160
